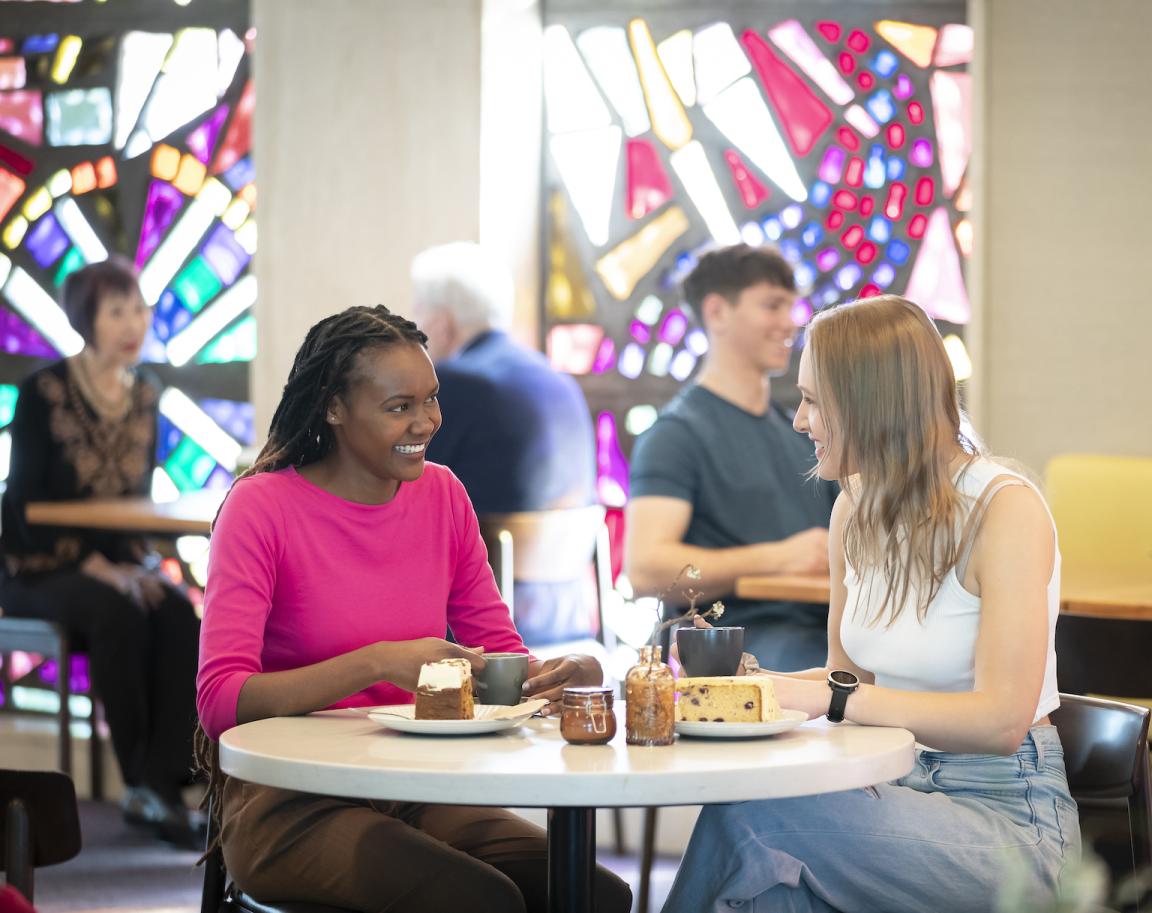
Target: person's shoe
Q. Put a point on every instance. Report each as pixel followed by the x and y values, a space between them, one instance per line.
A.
pixel 170 821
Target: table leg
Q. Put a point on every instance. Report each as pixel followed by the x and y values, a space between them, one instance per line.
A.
pixel 571 859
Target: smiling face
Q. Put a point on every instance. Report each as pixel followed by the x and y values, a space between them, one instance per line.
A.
pixel 119 327
pixel 810 420
pixel 383 422
pixel 756 328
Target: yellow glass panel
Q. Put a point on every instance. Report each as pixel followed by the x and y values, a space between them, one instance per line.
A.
pixel 236 213
pixel 915 42
pixel 190 178
pixel 669 122
pixel 14 231
pixel 568 296
pixel 630 260
pixel 66 53
pixel 248 194
pixel 958 355
pixel 964 237
pixel 37 204
pixel 165 162
pixel 60 183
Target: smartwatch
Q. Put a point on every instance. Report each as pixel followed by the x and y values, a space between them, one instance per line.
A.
pixel 842 684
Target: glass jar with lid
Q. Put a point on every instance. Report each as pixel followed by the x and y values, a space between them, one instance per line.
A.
pixel 650 694
pixel 587 717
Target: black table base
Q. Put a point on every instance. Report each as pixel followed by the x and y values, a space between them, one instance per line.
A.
pixel 571 859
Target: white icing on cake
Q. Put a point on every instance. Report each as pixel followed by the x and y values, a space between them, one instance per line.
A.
pixel 444 673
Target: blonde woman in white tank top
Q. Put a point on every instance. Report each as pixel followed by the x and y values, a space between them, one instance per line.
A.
pixel 945 577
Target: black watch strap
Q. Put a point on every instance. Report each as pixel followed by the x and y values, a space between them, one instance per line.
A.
pixel 837 704
pixel 842 684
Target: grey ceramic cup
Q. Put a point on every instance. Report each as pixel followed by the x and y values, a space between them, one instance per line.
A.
pixel 710 651
pixel 502 680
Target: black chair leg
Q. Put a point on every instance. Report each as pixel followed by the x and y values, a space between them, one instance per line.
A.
pixel 618 830
pixel 18 848
pixel 64 714
pixel 647 854
pixel 96 750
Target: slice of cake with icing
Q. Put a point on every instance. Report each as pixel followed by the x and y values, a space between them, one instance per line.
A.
pixel 727 699
pixel 444 691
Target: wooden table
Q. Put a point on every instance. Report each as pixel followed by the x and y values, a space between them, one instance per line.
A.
pixel 343 753
pixel 190 515
pixel 1097 592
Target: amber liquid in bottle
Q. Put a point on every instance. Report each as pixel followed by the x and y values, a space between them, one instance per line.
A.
pixel 649 690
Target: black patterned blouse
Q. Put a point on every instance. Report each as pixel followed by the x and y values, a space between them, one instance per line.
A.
pixel 64 450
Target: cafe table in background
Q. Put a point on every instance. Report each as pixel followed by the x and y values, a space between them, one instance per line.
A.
pixel 189 515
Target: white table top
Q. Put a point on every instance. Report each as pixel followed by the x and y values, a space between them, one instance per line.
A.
pixel 344 753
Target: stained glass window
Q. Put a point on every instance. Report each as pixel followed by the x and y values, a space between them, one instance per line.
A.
pixel 136 142
pixel 842 140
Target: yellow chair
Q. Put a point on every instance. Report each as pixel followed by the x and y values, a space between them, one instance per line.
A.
pixel 1103 511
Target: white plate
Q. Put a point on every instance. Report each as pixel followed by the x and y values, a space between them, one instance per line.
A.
pixel 789 719
pixel 400 718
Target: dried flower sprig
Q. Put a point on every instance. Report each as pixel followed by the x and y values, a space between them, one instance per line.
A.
pixel 692 594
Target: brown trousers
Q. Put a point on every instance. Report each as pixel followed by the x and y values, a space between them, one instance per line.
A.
pixel 399 857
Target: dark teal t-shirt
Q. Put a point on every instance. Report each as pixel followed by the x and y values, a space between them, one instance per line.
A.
pixel 745 476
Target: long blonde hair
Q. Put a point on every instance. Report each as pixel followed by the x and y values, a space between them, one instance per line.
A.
pixel 887 391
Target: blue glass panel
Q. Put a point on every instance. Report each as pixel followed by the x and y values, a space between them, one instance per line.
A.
pixel 791 250
pixel 898 251
pixel 164 317
pixel 874 171
pixel 885 63
pixel 884 275
pixel 881 106
pixel 39 44
pixel 848 276
pixel 226 257
pixel 234 417
pixel 895 168
pixel 879 229
pixel 47 241
pixel 243 172
pixel 772 228
pixel 168 438
pixel 812 234
pixel 805 274
pixel 820 194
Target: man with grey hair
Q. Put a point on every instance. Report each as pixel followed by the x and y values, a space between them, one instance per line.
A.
pixel 516 432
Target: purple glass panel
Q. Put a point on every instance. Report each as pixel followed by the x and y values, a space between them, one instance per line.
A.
pixel 220 480
pixel 46 241
pixel 611 467
pixel 202 140
pixel 234 417
pixel 827 258
pixel 226 257
pixel 164 202
pixel 17 337
pixel 801 311
pixel 921 154
pixel 605 357
pixel 640 331
pixel 672 330
pixel 903 86
pixel 833 165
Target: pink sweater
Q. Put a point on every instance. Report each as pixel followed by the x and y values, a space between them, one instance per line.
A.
pixel 297 575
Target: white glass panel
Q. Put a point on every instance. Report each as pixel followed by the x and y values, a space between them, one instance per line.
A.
pixel 691 166
pixel 187 87
pixel 606 50
pixel 572 100
pixel 719 61
pixel 952 110
pixel 937 283
pixel 791 38
pixel 38 308
pixel 141 57
pixel 675 53
pixel 587 163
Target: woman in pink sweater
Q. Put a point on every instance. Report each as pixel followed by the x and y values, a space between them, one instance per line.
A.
pixel 338 563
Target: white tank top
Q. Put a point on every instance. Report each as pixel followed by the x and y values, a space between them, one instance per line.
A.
pixel 940 653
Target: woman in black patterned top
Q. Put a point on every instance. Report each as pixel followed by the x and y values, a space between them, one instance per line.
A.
pixel 85 427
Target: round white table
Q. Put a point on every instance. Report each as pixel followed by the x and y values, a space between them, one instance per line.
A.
pixel 343 753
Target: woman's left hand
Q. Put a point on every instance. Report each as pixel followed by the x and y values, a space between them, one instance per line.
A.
pixel 550 677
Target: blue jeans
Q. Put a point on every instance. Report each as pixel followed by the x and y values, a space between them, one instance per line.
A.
pixel 940 838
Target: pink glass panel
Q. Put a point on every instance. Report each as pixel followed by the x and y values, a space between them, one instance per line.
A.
pixel 673 328
pixel 801 311
pixel 848 138
pixel 605 356
pixel 845 199
pixel 936 283
pixel 22 115
pixel 648 184
pixel 895 205
pixel 835 219
pixel 202 140
pixel 852 236
pixel 866 205
pixel 921 154
pixel 238 139
pixel 916 226
pixel 865 80
pixel 752 190
pixel 15 160
pixel 833 165
pixel 611 467
pixel 895 135
pixel 954 46
pixel 11 189
pixel 164 202
pixel 12 73
pixel 903 87
pixel 915 112
pixel 572 347
pixel 869 290
pixel 640 332
pixel 952 113
pixel 925 190
pixel 846 62
pixel 829 30
pixel 867 253
pixel 805 117
pixel 858 41
pixel 854 176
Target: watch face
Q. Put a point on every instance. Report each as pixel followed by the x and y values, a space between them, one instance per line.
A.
pixel 844 678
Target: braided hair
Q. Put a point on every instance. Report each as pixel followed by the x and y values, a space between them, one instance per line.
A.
pixel 300 435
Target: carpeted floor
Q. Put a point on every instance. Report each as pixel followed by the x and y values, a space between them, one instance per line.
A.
pixel 120 870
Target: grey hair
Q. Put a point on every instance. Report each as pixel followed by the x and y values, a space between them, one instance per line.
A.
pixel 469 282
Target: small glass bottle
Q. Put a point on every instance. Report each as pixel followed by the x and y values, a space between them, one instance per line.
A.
pixel 587 717
pixel 649 690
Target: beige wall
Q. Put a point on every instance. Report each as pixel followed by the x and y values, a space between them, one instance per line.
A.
pixel 353 183
pixel 1063 343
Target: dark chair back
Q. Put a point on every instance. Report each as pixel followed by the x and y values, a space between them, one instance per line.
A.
pixel 1106 756
pixel 41 823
